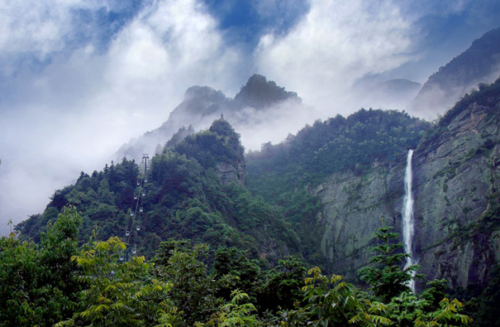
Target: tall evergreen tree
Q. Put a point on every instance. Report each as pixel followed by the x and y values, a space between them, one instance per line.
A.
pixel 386 278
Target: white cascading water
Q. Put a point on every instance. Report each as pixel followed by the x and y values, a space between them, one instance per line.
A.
pixel 408 225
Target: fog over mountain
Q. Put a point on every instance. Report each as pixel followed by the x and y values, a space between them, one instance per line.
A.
pixel 393 93
pixel 259 111
pixel 81 78
pixel 478 64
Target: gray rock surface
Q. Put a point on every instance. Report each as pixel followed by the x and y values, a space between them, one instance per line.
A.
pixel 453 174
pixel 230 173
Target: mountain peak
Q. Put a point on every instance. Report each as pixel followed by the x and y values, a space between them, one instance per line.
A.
pixel 202 104
pixel 202 92
pixel 478 64
pixel 258 92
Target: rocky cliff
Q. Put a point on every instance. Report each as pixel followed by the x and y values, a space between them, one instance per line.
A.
pixel 456 192
pixel 456 171
pixel 352 208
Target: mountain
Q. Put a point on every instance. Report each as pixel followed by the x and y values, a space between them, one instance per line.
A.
pixel 326 188
pixel 192 190
pixel 203 104
pixel 320 194
pixel 341 153
pixel 355 169
pixel 480 63
pixel 259 93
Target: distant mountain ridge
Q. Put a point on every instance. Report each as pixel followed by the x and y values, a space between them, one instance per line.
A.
pixel 390 94
pixel 480 63
pixel 203 104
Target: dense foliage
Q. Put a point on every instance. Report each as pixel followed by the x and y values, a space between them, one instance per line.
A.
pixel 338 144
pixel 37 282
pixel 58 284
pixel 184 197
pixel 386 278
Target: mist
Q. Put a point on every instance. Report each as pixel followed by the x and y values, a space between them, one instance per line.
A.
pixel 73 92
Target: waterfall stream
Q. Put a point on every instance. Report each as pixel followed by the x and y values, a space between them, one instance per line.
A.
pixel 408 224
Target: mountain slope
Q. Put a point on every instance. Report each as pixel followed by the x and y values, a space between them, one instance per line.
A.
pixel 192 190
pixel 480 63
pixel 456 186
pixel 339 152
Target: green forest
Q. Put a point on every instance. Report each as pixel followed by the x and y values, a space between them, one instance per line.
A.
pixel 58 283
pixel 182 197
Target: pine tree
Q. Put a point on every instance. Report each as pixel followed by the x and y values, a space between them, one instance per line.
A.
pixel 386 278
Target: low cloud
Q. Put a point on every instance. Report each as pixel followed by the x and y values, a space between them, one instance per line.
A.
pixel 338 44
pixel 272 124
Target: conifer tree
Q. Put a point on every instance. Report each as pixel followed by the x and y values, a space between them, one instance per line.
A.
pixel 386 278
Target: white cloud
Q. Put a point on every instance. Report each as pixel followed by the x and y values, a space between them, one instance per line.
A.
pixel 336 43
pixel 273 124
pixel 168 48
pixel 35 28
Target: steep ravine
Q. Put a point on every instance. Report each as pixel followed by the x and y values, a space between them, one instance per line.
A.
pixel 455 168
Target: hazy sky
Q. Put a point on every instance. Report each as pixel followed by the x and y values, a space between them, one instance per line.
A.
pixel 80 78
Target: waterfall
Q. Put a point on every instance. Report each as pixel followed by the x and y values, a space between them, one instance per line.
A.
pixel 408 224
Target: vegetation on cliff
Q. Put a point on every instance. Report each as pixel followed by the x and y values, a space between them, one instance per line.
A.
pixel 282 173
pixel 334 145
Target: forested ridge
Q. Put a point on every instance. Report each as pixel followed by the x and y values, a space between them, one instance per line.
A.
pixel 183 198
pixel 339 144
pixel 283 173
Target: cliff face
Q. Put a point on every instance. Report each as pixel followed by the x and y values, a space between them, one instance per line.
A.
pixel 353 206
pixel 456 169
pixel 456 185
pixel 229 173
